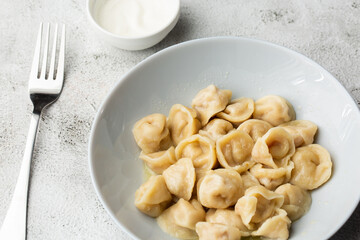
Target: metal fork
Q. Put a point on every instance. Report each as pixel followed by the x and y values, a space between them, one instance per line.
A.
pixel 44 88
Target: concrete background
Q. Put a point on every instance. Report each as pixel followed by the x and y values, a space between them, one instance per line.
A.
pixel 62 203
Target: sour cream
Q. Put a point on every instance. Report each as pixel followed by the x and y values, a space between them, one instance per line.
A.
pixel 135 18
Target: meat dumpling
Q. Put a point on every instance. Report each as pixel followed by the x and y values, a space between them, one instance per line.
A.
pixel 159 161
pixel 227 217
pixel 238 111
pixel 200 149
pixel 255 128
pixel 209 101
pixel 216 128
pixel 297 201
pixel 312 166
pixel 215 231
pixel 182 123
pixel 180 219
pixel 272 177
pixel 220 188
pixel 257 205
pixel 234 151
pixel 274 109
pixel 151 133
pixel 180 178
pixel 274 149
pixel 303 131
pixel 153 196
pixel 275 227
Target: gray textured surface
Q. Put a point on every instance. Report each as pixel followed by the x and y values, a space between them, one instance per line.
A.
pixel 62 203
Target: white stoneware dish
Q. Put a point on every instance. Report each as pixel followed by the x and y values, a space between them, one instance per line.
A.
pixel 250 68
pixel 129 43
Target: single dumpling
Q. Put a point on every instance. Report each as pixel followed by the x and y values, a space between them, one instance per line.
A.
pixel 238 110
pixel 312 166
pixel 182 123
pixel 257 205
pixel 209 101
pixel 159 161
pixel 274 149
pixel 275 227
pixel 227 217
pixel 180 219
pixel 153 196
pixel 303 131
pixel 255 128
pixel 215 231
pixel 271 178
pixel 200 149
pixel 234 151
pixel 151 133
pixel 274 109
pixel 180 178
pixel 216 128
pixel 249 180
pixel 220 188
pixel 297 201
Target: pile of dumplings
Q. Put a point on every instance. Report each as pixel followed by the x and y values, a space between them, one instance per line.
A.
pixel 226 169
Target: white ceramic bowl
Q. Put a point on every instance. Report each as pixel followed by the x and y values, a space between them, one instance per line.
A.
pixel 130 43
pixel 250 68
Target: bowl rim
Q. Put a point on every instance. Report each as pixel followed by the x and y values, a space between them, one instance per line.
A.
pixel 92 19
pixel 125 78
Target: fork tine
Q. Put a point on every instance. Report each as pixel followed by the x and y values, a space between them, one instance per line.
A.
pixel 35 64
pixel 53 53
pixel 60 68
pixel 45 55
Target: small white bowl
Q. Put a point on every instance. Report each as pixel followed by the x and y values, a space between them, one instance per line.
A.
pixel 130 43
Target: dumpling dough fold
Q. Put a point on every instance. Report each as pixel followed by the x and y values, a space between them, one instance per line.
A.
pixel 216 128
pixel 272 177
pixel 151 133
pixel 275 227
pixel 182 123
pixel 209 101
pixel 255 128
pixel 238 111
pixel 234 151
pixel 200 149
pixel 159 161
pixel 257 204
pixel 274 149
pixel 227 217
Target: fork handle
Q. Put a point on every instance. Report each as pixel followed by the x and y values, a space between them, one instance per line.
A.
pixel 14 225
